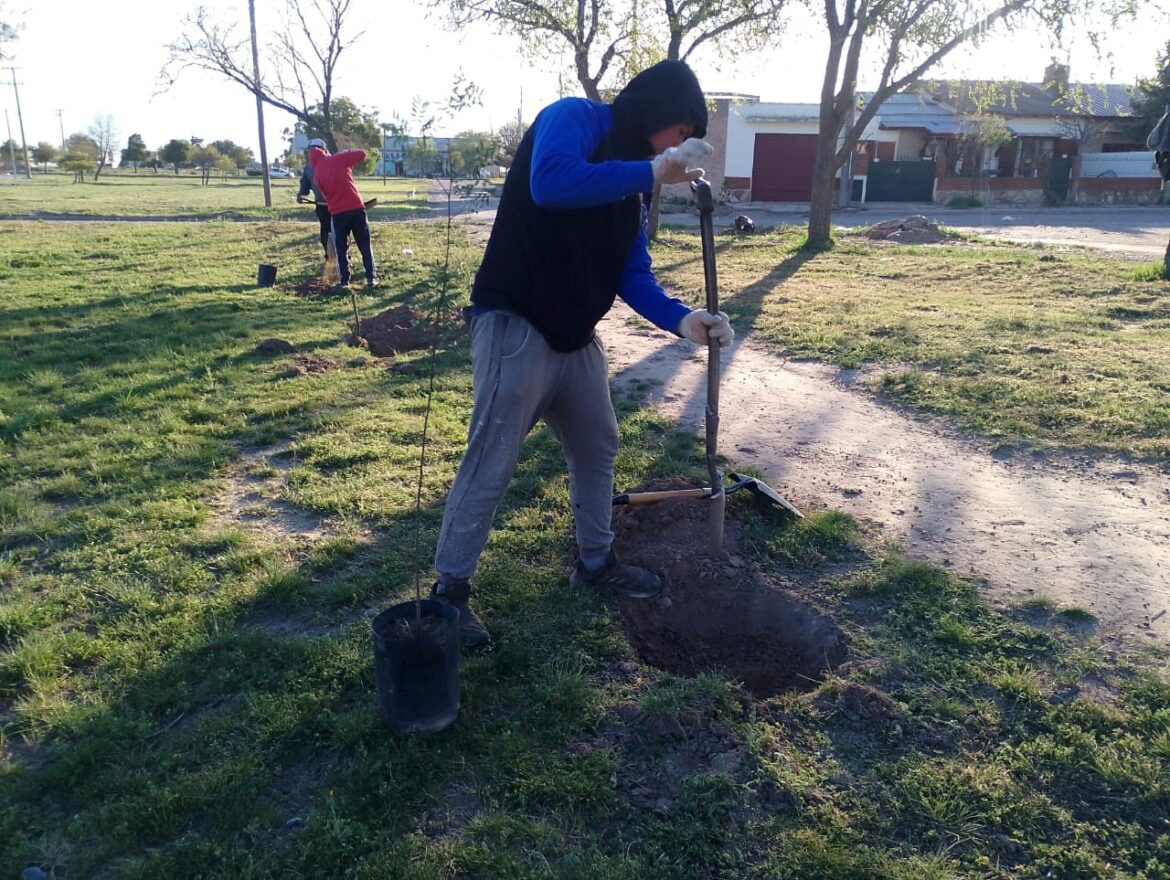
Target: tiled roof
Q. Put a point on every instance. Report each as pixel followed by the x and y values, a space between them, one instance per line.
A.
pixel 1032 99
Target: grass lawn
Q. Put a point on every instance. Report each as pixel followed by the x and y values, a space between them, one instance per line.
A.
pixel 147 194
pixel 186 690
pixel 1025 346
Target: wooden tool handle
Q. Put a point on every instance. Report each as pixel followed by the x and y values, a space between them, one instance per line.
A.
pixel 634 498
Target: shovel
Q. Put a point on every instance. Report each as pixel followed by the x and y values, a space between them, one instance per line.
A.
pixel 702 191
pixel 715 491
pixel 368 203
pixel 757 487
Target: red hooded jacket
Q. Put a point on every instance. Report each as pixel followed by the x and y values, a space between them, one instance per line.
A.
pixel 334 177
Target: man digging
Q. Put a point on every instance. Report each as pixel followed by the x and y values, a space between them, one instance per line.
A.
pixel 308 183
pixel 568 237
pixel 334 178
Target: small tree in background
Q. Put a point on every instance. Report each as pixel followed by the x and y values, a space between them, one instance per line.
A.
pixel 44 153
pixel 176 153
pixel 81 156
pixel 982 135
pixel 241 157
pixel 103 132
pixel 135 153
pixel 471 151
pixel 508 137
pixel 204 158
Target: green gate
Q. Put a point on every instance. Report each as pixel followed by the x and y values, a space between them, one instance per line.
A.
pixel 900 181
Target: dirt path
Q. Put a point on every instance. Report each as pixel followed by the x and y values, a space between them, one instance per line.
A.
pixel 1093 533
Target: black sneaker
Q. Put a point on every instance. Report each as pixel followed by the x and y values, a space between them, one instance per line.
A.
pixel 627 581
pixel 371 283
pixel 457 594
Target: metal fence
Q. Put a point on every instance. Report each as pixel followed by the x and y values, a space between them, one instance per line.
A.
pixel 1118 165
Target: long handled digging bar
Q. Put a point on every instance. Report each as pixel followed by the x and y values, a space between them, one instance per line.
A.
pixel 702 191
pixel 716 491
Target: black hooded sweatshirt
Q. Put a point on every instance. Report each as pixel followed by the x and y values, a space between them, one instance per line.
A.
pixel 558 267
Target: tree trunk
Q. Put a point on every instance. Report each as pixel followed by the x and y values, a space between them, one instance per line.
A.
pixel 820 208
pixel 652 214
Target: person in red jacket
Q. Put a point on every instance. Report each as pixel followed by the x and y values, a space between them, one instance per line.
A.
pixel 334 177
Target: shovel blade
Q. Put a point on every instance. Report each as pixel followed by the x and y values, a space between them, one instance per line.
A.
pixel 766 491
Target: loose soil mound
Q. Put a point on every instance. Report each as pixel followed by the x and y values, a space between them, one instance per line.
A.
pixel 312 363
pixel 915 229
pixel 312 287
pixel 724 614
pixel 394 330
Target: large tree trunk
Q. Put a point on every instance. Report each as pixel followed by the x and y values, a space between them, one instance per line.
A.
pixel 820 208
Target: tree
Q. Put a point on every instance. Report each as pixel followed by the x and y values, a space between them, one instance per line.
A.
pixel 135 153
pixel 508 138
pixel 470 151
pixel 1152 97
pixel 983 135
pixel 241 157
pixel 543 26
pixel 176 153
pixel 81 156
pixel 352 128
pixel 44 153
pixel 103 132
pixel 8 32
pixel 302 58
pixel 204 158
pixel 906 38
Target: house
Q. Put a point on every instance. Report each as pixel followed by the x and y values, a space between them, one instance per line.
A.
pixel 1012 142
pixel 1061 141
pixel 406 156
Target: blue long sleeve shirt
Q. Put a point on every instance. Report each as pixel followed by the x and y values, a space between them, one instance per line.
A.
pixel 567 134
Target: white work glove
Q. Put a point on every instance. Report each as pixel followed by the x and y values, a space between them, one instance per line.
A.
pixel 681 164
pixel 700 325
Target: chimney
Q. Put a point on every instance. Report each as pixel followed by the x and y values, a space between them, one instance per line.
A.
pixel 1056 79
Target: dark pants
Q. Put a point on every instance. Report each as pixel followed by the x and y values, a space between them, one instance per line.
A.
pixel 326 226
pixel 355 222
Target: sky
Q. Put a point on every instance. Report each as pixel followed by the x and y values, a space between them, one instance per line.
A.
pixel 85 62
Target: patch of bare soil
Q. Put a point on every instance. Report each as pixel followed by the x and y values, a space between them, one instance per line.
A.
pixel 311 364
pixel 915 229
pixel 253 499
pixel 1092 532
pixel 312 288
pixel 723 614
pixel 395 330
pixel 653 756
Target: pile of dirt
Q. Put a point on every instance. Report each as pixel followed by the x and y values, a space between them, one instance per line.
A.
pixel 403 329
pixel 311 288
pixel 311 364
pixel 724 614
pixel 394 330
pixel 915 229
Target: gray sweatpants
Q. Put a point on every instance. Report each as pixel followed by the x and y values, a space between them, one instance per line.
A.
pixel 518 380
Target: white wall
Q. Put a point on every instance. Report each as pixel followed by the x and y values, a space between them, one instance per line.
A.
pixel 741 134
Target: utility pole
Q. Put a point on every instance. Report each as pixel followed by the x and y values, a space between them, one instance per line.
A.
pixel 259 103
pixel 61 125
pixel 20 122
pixel 12 146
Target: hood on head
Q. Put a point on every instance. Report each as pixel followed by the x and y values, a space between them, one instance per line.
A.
pixel 666 94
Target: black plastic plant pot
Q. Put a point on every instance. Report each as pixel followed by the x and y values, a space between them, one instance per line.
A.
pixel 266 275
pixel 416 666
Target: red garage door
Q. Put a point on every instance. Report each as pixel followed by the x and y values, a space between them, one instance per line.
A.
pixel 782 167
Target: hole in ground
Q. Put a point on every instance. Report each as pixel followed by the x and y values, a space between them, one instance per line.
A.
pixel 724 614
